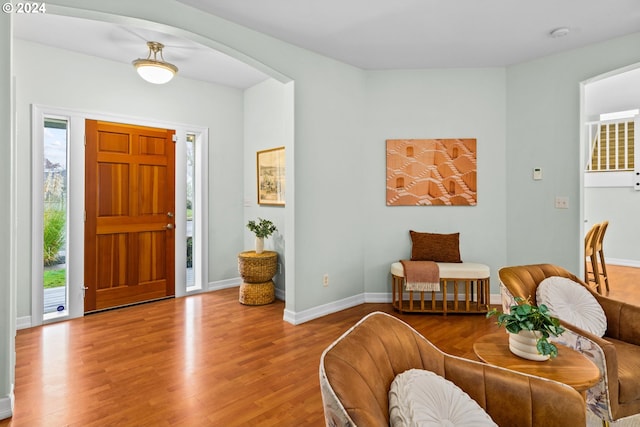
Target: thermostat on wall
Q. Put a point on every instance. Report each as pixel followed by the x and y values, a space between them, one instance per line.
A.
pixel 537 174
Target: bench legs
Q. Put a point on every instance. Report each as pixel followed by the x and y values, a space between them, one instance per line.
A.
pixel 443 301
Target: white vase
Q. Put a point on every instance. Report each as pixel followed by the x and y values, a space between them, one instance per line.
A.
pixel 259 245
pixel 523 344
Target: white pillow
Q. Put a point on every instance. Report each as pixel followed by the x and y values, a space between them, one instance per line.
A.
pixel 573 303
pixel 423 398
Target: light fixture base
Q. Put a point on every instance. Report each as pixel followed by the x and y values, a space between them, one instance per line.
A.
pixel 559 32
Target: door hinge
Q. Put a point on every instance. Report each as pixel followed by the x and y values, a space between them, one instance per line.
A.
pixel 174 137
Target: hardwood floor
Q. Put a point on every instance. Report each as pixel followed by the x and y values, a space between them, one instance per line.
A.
pixel 204 360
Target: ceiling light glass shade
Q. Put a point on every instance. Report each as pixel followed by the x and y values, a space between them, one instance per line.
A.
pixel 153 70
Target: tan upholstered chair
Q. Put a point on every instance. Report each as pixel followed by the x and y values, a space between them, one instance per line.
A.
pixel 617 353
pixel 356 372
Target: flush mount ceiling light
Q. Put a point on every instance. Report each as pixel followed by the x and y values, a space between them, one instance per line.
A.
pixel 154 70
pixel 559 32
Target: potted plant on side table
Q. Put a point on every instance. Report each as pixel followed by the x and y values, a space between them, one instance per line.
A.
pixel 529 328
pixel 263 228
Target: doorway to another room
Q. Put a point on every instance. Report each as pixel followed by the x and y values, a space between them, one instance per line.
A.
pixel 611 161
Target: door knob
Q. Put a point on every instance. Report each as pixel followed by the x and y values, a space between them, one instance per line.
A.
pixel 169 226
pixel 170 214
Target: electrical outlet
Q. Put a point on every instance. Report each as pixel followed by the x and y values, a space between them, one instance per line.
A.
pixel 325 280
pixel 562 202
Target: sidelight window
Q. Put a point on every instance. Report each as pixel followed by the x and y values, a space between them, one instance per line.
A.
pixel 54 250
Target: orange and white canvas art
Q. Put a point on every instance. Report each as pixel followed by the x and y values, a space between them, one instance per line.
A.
pixel 427 172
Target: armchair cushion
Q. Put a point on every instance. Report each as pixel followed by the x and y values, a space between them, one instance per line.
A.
pixel 573 303
pixel 421 397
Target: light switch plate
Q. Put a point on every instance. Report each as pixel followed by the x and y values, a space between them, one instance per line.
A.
pixel 537 174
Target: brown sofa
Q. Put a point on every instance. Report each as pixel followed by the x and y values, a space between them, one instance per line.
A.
pixel 617 353
pixel 356 372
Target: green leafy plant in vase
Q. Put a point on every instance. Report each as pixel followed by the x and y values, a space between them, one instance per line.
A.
pixel 263 228
pixel 537 321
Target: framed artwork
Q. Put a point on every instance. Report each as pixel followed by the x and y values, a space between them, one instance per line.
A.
pixel 431 172
pixel 271 176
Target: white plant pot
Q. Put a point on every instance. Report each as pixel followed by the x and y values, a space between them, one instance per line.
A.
pixel 523 344
pixel 259 245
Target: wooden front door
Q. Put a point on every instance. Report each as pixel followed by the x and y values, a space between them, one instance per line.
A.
pixel 129 227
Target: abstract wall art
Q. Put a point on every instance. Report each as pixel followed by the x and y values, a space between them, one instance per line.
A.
pixel 431 172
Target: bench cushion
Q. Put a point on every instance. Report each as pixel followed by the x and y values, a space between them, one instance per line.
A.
pixel 452 270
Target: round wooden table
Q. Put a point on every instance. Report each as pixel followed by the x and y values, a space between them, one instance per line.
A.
pixel 569 367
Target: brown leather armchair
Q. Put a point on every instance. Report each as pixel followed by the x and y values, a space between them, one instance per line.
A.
pixel 356 372
pixel 617 353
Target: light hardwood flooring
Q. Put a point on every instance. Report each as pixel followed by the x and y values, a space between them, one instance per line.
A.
pixel 204 360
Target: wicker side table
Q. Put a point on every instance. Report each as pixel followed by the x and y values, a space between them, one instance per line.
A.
pixel 256 271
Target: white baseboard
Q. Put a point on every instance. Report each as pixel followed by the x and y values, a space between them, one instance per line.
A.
pixel 23 322
pixel 623 262
pixel 224 284
pixel 377 297
pixel 297 318
pixel 6 405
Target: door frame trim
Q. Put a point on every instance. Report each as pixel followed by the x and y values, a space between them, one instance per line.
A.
pixel 75 204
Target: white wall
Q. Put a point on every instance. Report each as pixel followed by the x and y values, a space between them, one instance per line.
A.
pixel 266 125
pixel 7 233
pixel 619 92
pixel 87 83
pixel 543 124
pixel 451 103
pixel 618 205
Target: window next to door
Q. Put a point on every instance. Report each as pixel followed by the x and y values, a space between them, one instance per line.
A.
pixel 191 201
pixel 54 220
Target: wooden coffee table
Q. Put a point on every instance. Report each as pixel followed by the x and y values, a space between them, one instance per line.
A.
pixel 569 367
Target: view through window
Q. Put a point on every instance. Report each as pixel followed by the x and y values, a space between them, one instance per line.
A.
pixel 191 158
pixel 55 217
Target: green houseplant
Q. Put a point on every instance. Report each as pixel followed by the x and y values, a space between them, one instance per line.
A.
pixel 537 319
pixel 262 228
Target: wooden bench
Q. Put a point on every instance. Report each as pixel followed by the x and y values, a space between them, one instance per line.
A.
pixel 459 283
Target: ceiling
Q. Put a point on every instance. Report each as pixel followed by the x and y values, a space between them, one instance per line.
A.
pixel 124 44
pixel 370 34
pixel 396 34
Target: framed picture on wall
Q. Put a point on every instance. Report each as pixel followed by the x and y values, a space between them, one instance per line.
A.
pixel 271 176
